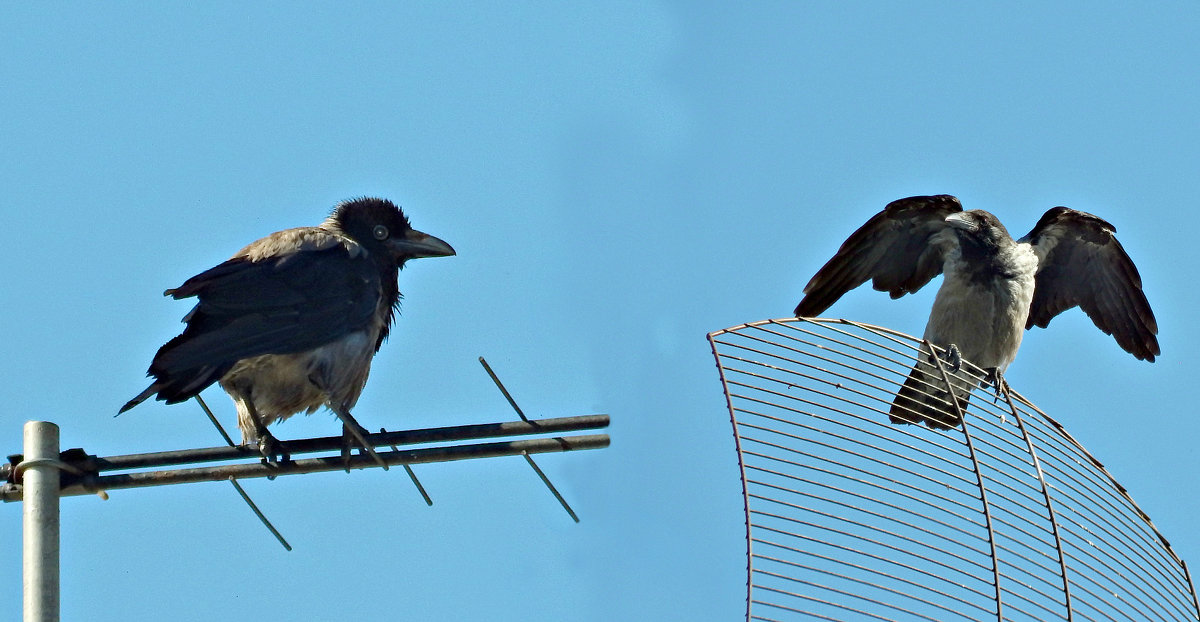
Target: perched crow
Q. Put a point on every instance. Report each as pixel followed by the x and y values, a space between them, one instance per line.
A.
pixel 994 288
pixel 292 321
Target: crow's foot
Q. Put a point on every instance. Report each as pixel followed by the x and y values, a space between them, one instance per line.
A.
pixel 272 449
pixel 953 358
pixel 354 435
pixel 995 379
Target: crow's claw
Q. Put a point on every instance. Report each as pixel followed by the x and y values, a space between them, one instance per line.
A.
pixel 953 358
pixel 272 449
pixel 354 435
pixel 996 380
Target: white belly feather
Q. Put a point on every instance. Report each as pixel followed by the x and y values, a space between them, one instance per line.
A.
pixel 985 320
pixel 285 384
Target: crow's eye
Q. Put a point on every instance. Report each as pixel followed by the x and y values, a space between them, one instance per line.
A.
pixel 380 232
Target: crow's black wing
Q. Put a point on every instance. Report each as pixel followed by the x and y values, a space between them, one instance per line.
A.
pixel 1080 262
pixel 291 291
pixel 272 306
pixel 899 249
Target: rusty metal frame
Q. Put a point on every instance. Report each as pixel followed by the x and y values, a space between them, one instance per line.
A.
pixel 851 517
pixel 82 472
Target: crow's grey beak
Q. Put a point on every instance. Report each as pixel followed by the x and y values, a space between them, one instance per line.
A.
pixel 960 220
pixel 416 244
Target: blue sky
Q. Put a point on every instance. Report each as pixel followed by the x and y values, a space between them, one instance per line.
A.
pixel 619 179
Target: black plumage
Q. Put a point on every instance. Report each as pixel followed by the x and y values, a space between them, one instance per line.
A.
pixel 994 288
pixel 292 321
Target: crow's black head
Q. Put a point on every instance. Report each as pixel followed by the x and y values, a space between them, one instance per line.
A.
pixel 979 228
pixel 382 228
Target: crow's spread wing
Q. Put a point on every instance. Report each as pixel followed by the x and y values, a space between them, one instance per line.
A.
pixel 899 249
pixel 1080 262
pixel 294 300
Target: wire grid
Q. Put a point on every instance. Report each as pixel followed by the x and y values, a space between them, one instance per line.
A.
pixel 1005 517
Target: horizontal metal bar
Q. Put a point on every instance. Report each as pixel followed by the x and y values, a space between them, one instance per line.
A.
pixel 915 545
pixel 93 483
pixel 846 596
pixel 333 443
pixel 872 572
pixel 965 576
pixel 818 406
pixel 842 464
pixel 841 426
pixel 875 494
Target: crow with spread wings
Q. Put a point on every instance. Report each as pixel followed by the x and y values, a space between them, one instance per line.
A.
pixel 292 321
pixel 994 289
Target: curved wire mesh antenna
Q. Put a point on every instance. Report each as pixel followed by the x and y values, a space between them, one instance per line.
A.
pixel 1005 517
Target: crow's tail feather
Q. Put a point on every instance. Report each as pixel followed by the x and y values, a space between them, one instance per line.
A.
pixel 176 387
pixel 924 398
pixel 150 390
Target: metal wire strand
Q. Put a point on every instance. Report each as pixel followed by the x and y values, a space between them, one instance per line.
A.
pixel 849 516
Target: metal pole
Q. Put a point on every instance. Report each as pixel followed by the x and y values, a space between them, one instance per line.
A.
pixel 82 470
pixel 91 484
pixel 40 526
pixel 335 443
